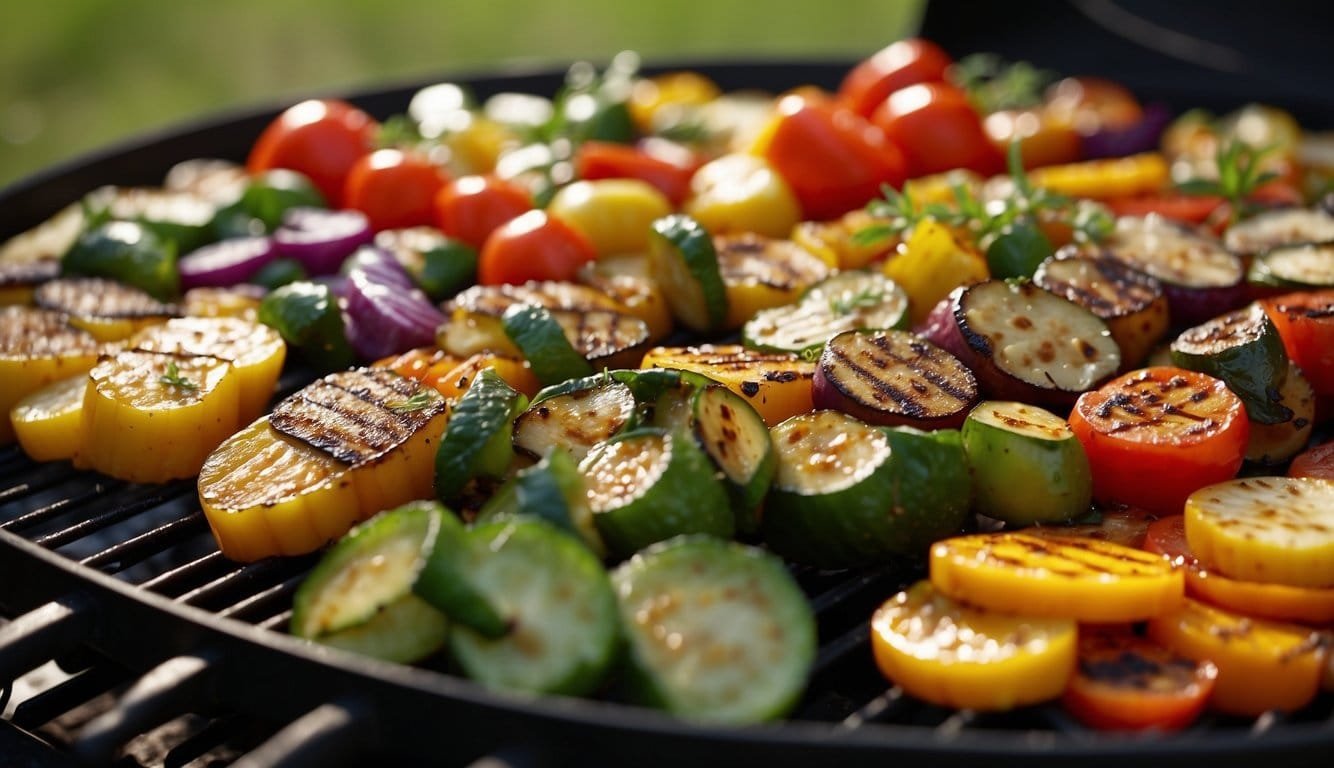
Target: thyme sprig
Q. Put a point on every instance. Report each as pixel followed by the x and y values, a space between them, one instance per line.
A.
pixel 419 400
pixel 174 378
pixel 863 299
pixel 1239 175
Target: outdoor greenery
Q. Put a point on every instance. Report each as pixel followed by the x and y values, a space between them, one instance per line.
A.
pixel 78 74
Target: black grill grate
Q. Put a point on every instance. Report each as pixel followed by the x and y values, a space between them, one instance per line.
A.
pixel 166 685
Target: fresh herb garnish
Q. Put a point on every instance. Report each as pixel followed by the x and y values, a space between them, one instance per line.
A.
pixel 173 378
pixel 863 299
pixel 897 212
pixel 419 400
pixel 398 131
pixel 1239 175
pixel 994 84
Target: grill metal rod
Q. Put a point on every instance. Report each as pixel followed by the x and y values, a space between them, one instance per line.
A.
pixel 40 635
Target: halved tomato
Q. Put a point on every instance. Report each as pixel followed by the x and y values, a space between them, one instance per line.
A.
pixel 1126 682
pixel 1305 321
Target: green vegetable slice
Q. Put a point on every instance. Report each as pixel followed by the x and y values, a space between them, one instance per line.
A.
pixel 1243 349
pixel 718 632
pixel 650 485
pixel 1017 251
pixel 558 602
pixel 1027 465
pixel 441 266
pixel 683 261
pixel 543 343
pixel 1295 267
pixel 128 252
pixel 852 300
pixel 445 583
pixel 477 441
pixel 181 218
pixel 575 421
pixel 553 490
pixel 404 631
pixel 306 315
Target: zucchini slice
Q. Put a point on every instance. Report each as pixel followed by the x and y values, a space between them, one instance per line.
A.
pixel 718 632
pixel 848 494
pixel 1273 444
pixel 650 485
pixel 894 378
pixel 474 323
pixel 1131 302
pixel 478 438
pixel 109 310
pixel 553 490
pixel 762 273
pixel 605 339
pixel 558 602
pixel 542 341
pixel 683 261
pixel 1289 226
pixel 447 585
pixel 575 421
pixel 1295 267
pixel 852 300
pixel 182 217
pixel 1277 530
pixel 368 573
pixel 1027 466
pixel 1200 277
pixel 1029 344
pixel 1243 349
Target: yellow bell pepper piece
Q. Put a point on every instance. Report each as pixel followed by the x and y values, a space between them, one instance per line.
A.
pixel 1262 665
pixel 47 423
pixel 1085 579
pixel 1105 179
pixel 658 100
pixel 614 214
pixel 255 351
pixel 459 378
pixel 476 146
pixel 777 385
pixel 834 241
pixel 933 262
pixel 742 193
pixel 38 347
pixel 150 417
pixel 954 655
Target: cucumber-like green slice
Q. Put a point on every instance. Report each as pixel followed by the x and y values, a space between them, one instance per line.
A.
pixel 848 301
pixel 1027 465
pixel 650 485
pixel 478 438
pixel 1295 267
pixel 575 421
pixel 179 216
pixel 405 631
pixel 542 341
pixel 848 494
pixel 734 436
pixel 559 604
pixel 683 261
pixel 718 631
pixel 1243 349
pixel 376 563
pixel 553 490
pixel 446 584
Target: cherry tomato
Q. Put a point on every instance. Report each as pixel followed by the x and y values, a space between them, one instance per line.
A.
pixel 605 160
pixel 394 189
pixel 1315 462
pixel 1041 141
pixel 833 159
pixel 904 63
pixel 1305 321
pixel 533 246
pixel 1309 605
pixel 1189 209
pixel 938 130
pixel 470 208
pixel 321 139
pixel 1125 682
pixel 1156 435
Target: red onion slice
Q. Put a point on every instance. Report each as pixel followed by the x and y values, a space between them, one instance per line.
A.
pixel 226 262
pixel 321 239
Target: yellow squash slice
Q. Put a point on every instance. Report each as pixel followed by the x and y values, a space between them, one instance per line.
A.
pixel 778 385
pixel 38 347
pixel 1084 579
pixel 48 423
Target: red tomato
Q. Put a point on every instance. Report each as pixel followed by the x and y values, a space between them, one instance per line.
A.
pixel 1306 323
pixel 1156 435
pixel 1315 462
pixel 606 160
pixel 1190 209
pixel 833 159
pixel 904 63
pixel 321 139
pixel 472 207
pixel 1126 682
pixel 533 246
pixel 938 130
pixel 394 189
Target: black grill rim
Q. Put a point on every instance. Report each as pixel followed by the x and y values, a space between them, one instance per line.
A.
pixel 410 703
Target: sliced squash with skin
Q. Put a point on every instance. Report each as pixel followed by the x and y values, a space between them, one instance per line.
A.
pixel 475 314
pixel 575 421
pixel 38 347
pixel 109 310
pixel 1131 302
pixel 777 385
pixel 627 279
pixel 760 273
pixel 47 423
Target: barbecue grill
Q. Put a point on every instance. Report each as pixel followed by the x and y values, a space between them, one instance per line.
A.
pixel 156 650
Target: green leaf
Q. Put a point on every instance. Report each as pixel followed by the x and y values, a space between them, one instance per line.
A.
pixel 173 378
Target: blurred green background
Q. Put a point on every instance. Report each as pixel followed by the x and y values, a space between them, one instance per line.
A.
pixel 78 74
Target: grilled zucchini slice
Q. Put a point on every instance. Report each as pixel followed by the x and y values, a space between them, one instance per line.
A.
pixel 848 301
pixel 1243 349
pixel 685 263
pixel 575 421
pixel 478 439
pixel 1266 231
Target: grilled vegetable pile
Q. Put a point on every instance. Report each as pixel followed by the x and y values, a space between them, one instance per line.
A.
pixel 591 369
